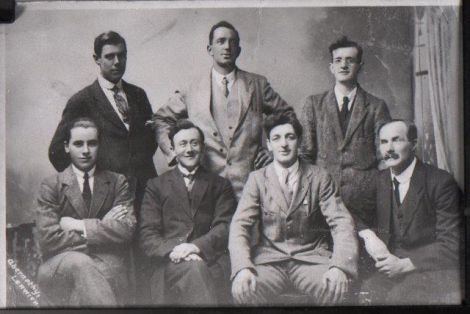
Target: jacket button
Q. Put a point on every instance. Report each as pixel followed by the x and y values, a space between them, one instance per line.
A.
pixel 215 133
pixel 221 150
pixel 229 163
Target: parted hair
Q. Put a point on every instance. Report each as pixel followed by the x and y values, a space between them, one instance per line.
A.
pixel 183 124
pixel 411 133
pixel 345 42
pixel 81 122
pixel 107 38
pixel 223 24
pixel 279 118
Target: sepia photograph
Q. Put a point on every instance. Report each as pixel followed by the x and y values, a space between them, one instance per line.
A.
pixel 232 153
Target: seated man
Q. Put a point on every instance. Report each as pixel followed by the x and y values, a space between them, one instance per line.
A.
pixel 298 210
pixel 416 243
pixel 184 227
pixel 85 218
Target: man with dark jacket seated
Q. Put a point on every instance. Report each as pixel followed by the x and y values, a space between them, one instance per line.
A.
pixel 416 242
pixel 184 226
pixel 85 219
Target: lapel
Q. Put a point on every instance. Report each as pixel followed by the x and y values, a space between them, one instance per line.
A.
pixel 245 91
pixel 332 115
pixel 199 189
pixel 358 113
pixel 179 190
pixel 72 192
pixel 273 188
pixel 414 195
pixel 100 192
pixel 105 107
pixel 384 202
pixel 302 187
pixel 202 95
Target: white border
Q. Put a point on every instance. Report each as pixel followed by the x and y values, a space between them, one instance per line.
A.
pixel 3 250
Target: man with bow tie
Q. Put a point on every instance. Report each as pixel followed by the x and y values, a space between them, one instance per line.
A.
pixel 339 128
pixel 307 236
pixel 416 242
pixel 85 222
pixel 184 226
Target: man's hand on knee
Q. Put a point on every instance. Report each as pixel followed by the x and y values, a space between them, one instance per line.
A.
pixel 335 285
pixel 244 286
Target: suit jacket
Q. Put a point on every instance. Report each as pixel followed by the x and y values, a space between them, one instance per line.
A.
pixel 301 231
pixel 60 196
pixel 431 218
pixel 351 159
pixel 171 216
pixel 122 151
pixel 236 160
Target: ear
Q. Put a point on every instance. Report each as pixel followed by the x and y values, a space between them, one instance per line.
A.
pixel 332 69
pixel 239 50
pixel 268 142
pixel 96 58
pixel 209 50
pixel 66 147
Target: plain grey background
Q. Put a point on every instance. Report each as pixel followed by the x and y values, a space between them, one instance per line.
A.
pixel 49 58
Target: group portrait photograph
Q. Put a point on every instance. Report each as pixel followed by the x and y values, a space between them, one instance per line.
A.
pixel 206 154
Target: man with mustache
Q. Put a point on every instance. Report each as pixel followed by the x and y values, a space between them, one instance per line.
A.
pixel 121 110
pixel 85 222
pixel 228 104
pixel 416 242
pixel 339 130
pixel 184 227
pixel 307 236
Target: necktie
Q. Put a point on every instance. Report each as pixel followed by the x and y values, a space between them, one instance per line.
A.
pixel 190 178
pixel 286 189
pixel 396 191
pixel 86 194
pixel 121 104
pixel 225 86
pixel 343 114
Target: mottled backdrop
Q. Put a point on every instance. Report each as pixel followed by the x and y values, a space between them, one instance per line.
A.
pixel 49 58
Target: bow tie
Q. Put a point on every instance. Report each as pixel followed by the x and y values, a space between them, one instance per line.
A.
pixel 189 176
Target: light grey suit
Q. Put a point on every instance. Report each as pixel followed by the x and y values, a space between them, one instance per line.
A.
pixel 232 159
pixel 298 235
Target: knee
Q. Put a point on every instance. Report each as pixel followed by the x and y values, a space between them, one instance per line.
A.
pixel 76 263
pixel 197 268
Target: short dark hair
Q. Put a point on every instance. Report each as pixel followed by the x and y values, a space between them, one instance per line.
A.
pixel 183 124
pixel 84 122
pixel 108 38
pixel 411 133
pixel 344 42
pixel 282 117
pixel 226 25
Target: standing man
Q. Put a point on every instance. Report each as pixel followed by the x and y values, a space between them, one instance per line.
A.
pixel 85 221
pixel 339 127
pixel 416 244
pixel 121 110
pixel 184 228
pixel 228 104
pixel 308 238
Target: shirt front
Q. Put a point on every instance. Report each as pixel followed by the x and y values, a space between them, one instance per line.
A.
pixel 339 97
pixel 293 174
pixel 185 172
pixel 107 88
pixel 404 179
pixel 80 177
pixel 217 79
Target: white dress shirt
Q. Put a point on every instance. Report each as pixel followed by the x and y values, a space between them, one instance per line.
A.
pixel 339 97
pixel 404 179
pixel 185 172
pixel 107 87
pixel 292 172
pixel 217 79
pixel 79 174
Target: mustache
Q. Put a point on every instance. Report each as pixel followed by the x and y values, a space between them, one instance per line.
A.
pixel 391 155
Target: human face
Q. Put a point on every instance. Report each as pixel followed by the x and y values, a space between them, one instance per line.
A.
pixel 112 62
pixel 188 148
pixel 283 142
pixel 396 150
pixel 83 147
pixel 224 49
pixel 345 66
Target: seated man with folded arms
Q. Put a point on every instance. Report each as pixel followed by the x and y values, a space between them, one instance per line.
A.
pixel 184 226
pixel 85 219
pixel 416 242
pixel 299 211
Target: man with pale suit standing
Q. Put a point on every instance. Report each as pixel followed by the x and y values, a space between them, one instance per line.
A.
pixel 228 105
